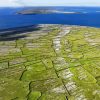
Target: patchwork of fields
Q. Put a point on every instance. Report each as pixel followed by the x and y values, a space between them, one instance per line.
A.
pixel 54 62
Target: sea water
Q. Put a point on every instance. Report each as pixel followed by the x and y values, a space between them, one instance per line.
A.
pixel 86 16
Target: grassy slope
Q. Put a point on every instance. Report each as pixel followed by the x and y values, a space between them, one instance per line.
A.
pixel 29 69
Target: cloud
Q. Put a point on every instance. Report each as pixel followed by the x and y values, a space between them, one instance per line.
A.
pixel 21 2
pixel 7 3
pixel 15 3
pixel 18 2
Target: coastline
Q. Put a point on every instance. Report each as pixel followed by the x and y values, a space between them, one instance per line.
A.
pixel 18 29
pixel 30 28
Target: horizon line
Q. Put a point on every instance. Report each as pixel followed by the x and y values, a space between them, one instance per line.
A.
pixel 50 6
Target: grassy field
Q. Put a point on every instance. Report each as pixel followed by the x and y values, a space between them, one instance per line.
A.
pixel 55 62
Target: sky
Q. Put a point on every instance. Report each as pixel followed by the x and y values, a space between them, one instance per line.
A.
pixel 17 3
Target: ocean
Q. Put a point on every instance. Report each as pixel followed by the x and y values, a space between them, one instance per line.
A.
pixel 88 16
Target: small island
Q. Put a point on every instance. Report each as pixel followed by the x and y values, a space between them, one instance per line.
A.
pixel 43 11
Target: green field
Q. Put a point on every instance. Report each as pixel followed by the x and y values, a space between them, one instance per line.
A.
pixel 56 62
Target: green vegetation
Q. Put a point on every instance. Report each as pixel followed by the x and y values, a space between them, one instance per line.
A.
pixel 59 64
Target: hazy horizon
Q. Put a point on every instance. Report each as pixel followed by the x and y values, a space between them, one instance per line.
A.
pixel 34 3
pixel 45 6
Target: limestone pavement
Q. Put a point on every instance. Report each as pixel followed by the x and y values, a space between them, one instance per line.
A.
pixel 53 62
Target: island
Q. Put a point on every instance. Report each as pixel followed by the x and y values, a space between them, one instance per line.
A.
pixel 50 62
pixel 43 11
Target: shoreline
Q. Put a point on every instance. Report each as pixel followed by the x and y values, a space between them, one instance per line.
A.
pixel 18 29
pixel 32 27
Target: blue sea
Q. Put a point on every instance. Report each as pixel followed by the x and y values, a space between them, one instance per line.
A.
pixel 88 16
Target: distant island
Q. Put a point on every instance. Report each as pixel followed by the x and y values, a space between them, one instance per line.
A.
pixel 43 11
